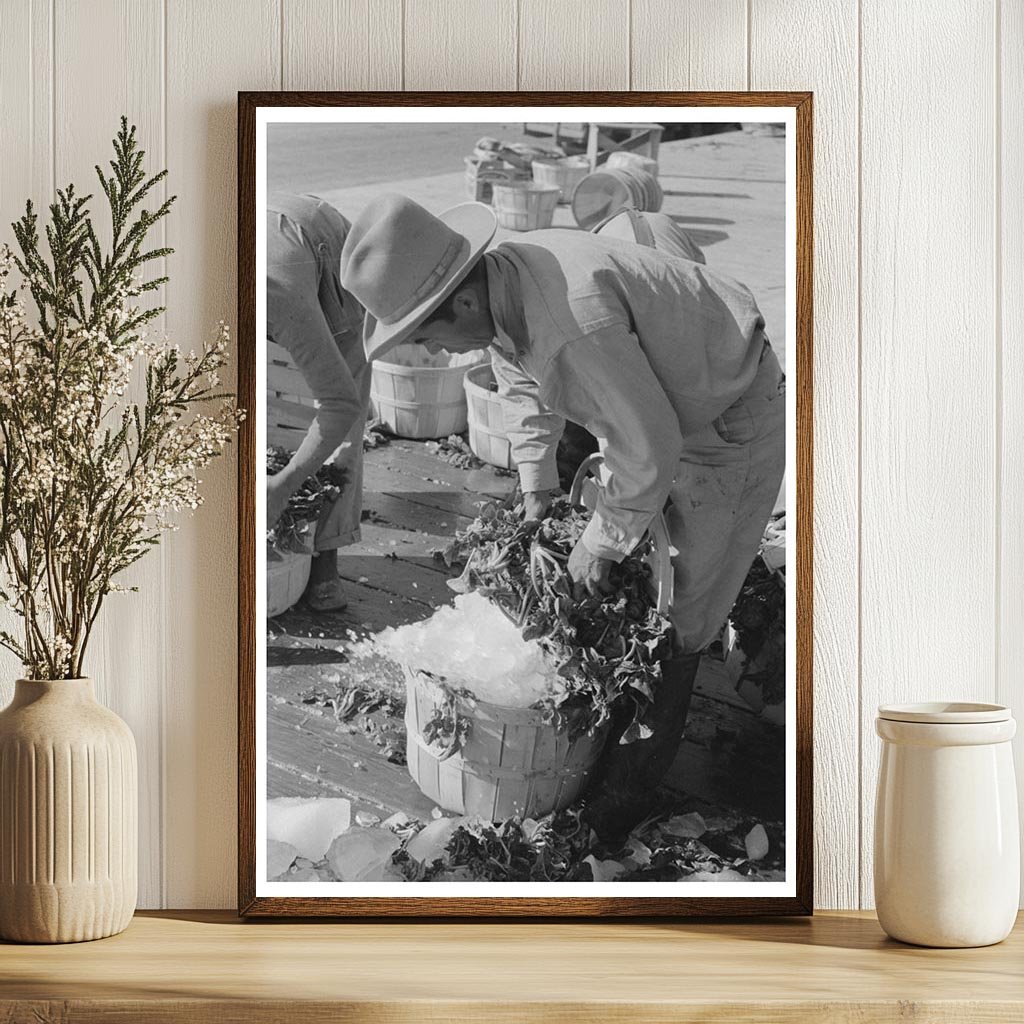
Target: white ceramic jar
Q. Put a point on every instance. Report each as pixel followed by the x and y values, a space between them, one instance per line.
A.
pixel 947 847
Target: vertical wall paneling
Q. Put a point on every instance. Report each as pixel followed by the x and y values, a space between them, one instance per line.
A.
pixel 700 44
pixel 928 515
pixel 213 51
pixel 574 44
pixel 460 44
pixel 25 106
pixel 125 653
pixel 26 170
pixel 1010 174
pixel 342 44
pixel 919 459
pixel 832 75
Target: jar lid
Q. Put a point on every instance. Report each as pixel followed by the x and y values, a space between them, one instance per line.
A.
pixel 945 713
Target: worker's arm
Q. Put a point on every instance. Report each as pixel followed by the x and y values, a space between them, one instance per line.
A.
pixel 533 430
pixel 297 323
pixel 604 382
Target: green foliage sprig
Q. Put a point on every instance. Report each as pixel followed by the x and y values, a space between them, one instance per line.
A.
pixel 89 476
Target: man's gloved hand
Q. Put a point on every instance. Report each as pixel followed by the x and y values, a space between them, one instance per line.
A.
pixel 589 572
pixel 535 504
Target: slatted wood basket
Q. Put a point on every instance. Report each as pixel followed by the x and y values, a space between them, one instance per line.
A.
pixel 564 174
pixel 287 576
pixel 525 207
pixel 419 401
pixel 482 175
pixel 486 417
pixel 511 762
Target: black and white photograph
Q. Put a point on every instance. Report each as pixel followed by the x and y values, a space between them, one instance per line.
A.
pixel 525 441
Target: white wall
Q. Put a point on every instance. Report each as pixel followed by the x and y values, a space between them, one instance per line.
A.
pixel 919 466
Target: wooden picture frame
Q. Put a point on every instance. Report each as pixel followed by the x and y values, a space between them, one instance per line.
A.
pixel 799 898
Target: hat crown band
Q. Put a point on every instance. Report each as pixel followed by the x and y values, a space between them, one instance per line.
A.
pixel 455 248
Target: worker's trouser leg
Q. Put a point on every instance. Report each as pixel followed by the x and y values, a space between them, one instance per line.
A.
pixel 728 481
pixel 338 525
pixel 726 487
pixel 623 790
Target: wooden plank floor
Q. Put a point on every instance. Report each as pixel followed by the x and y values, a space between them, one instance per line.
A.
pixel 413 503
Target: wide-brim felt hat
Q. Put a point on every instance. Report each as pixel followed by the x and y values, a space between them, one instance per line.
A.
pixel 401 262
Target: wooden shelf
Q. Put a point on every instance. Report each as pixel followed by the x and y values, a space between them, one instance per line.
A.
pixel 200 967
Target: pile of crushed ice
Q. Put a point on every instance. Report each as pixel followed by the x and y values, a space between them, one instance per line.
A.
pixel 474 646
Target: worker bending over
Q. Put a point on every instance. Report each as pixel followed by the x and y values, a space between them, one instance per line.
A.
pixel 664 360
pixel 320 324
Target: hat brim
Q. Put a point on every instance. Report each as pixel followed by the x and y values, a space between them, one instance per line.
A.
pixel 477 224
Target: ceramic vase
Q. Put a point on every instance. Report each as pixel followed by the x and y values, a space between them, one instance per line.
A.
pixel 947 847
pixel 68 815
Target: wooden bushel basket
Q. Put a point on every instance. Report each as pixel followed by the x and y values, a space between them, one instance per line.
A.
pixel 564 174
pixel 525 207
pixel 287 576
pixel 419 401
pixel 511 763
pixel 486 418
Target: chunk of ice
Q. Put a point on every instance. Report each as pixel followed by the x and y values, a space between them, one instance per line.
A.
pixel 280 857
pixel 308 824
pixel 604 870
pixel 364 855
pixel 428 844
pixel 756 842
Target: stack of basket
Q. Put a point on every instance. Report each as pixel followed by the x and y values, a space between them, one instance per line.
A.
pixel 494 161
pixel 605 192
pixel 482 173
pixel 564 174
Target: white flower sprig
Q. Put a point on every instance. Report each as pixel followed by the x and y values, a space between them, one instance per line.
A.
pixel 89 477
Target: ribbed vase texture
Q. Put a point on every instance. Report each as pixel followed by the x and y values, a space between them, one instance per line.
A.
pixel 68 815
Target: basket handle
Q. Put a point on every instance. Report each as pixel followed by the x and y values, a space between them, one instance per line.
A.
pixel 585 487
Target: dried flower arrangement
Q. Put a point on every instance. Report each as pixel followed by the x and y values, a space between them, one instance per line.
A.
pixel 89 475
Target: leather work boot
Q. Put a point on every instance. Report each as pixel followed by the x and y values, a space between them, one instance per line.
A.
pixel 623 790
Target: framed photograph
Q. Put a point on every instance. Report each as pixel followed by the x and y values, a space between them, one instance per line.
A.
pixel 525 504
